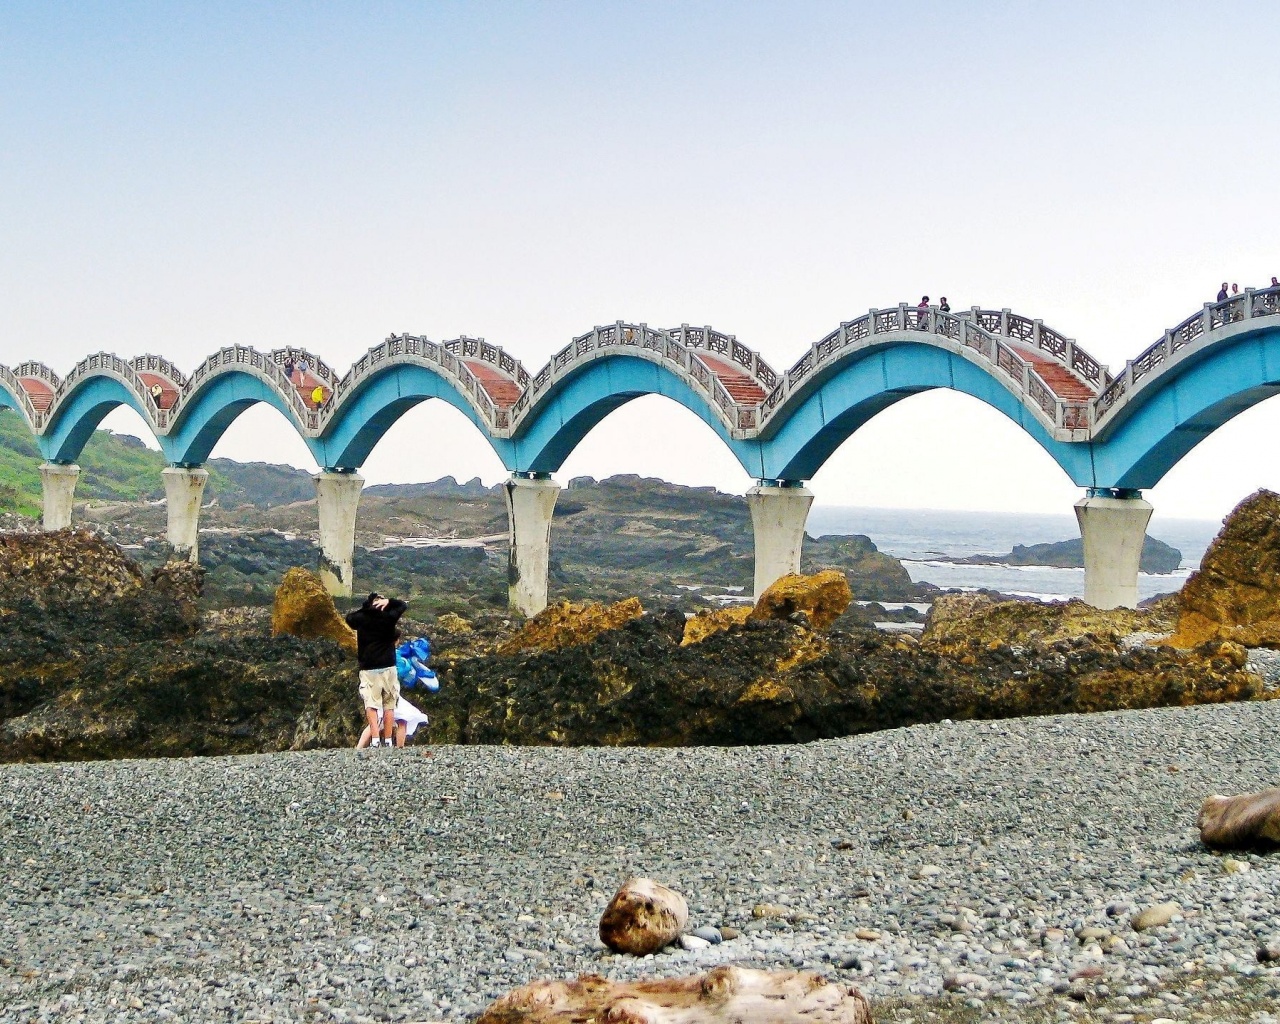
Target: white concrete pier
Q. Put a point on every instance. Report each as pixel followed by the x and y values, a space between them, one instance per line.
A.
pixel 778 517
pixel 531 501
pixel 338 495
pixel 58 487
pixel 183 491
pixel 1113 530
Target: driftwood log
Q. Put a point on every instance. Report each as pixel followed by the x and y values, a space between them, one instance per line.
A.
pixel 725 995
pixel 642 917
pixel 1240 822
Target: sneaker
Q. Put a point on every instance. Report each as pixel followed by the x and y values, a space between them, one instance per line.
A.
pixel 375 742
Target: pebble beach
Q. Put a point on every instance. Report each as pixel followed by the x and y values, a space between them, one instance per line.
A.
pixel 960 871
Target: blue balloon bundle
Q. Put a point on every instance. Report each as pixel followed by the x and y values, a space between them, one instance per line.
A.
pixel 411 665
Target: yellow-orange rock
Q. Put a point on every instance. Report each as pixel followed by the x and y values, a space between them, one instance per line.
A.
pixel 1241 822
pixel 304 608
pixel 724 995
pixel 713 621
pixel 1235 594
pixel 823 597
pixel 567 625
pixel 642 917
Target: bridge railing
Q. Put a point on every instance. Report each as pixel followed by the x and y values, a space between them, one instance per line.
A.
pixel 10 379
pixel 713 341
pixel 1193 331
pixel 37 371
pixel 421 350
pixel 481 351
pixel 969 329
pixel 243 356
pixel 159 364
pixel 316 366
pixel 111 365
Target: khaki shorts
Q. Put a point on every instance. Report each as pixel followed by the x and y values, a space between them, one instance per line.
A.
pixel 379 688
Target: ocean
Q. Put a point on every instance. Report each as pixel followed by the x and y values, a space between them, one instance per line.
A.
pixel 928 541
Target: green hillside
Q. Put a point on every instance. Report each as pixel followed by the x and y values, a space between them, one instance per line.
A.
pixel 117 467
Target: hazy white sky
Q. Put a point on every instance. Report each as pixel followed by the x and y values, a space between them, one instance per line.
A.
pixel 176 177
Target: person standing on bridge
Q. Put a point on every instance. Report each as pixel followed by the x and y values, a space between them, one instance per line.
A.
pixel 922 313
pixel 1222 293
pixel 375 623
pixel 943 305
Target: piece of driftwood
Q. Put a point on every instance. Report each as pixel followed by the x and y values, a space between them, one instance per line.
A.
pixel 725 995
pixel 1240 822
pixel 642 917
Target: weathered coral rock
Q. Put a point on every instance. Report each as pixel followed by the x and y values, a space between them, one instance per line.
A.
pixel 713 621
pixel 1241 822
pixel 725 995
pixel 63 567
pixel 304 608
pixel 1235 594
pixel 776 682
pixel 569 625
pixel 642 917
pixel 451 622
pixel 822 597
pixel 958 623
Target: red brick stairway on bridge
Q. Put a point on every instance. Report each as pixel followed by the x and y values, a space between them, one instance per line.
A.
pixel 502 389
pixel 740 384
pixel 1061 381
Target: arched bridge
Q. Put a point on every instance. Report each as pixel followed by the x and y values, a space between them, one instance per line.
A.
pixel 1113 435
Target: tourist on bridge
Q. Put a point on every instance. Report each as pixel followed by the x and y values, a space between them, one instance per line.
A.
pixel 1222 293
pixel 289 367
pixel 376 635
pixel 944 305
pixel 922 316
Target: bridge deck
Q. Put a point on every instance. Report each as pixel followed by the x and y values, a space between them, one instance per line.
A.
pixel 503 390
pixel 168 396
pixel 38 391
pixel 736 381
pixel 1061 381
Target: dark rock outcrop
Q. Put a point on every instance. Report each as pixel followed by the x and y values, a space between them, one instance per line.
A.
pixel 1157 556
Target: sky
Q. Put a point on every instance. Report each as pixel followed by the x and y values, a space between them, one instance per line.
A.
pixel 181 176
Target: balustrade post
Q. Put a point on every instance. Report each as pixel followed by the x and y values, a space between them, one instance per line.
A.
pixel 1070 355
pixel 1113 527
pixel 1207 317
pixel 1035 333
pixel 183 491
pixel 531 502
pixel 871 323
pixel 1248 304
pixel 902 316
pixel 1004 323
pixel 58 489
pixel 338 497
pixel 779 511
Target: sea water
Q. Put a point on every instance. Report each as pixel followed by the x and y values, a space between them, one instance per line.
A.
pixel 929 541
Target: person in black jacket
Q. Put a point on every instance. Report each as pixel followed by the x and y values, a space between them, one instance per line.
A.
pixel 376 636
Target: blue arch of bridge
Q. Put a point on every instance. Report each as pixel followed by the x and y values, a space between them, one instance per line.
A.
pixel 1185 404
pixel 80 413
pixel 870 380
pixel 580 400
pixel 381 399
pixel 207 414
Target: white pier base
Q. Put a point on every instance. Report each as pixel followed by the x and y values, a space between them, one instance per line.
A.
pixel 183 490
pixel 778 516
pixel 1113 530
pixel 530 505
pixel 58 487
pixel 338 495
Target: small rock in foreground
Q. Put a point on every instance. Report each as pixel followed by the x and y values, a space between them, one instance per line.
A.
pixel 642 917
